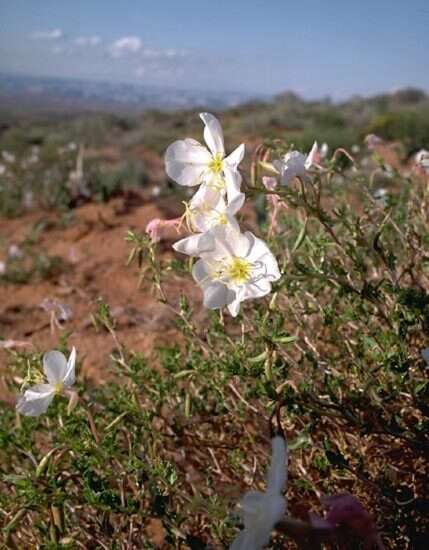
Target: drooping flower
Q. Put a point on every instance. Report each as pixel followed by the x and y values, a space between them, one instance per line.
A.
pixel 295 164
pixel 154 227
pixel 60 373
pixel 422 160
pixel 345 510
pixel 373 142
pixel 189 163
pixel 261 511
pixel 233 266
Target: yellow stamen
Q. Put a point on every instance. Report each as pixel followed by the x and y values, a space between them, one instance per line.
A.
pixel 58 387
pixel 216 164
pixel 239 270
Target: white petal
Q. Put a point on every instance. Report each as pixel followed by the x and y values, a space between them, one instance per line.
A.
pixel 311 155
pixel 236 204
pixel 186 161
pixel 260 253
pixel 55 366
pixel 234 307
pixel 213 134
pixel 240 243
pixel 200 273
pixel 256 289
pixel 217 295
pixel 232 182
pixel 234 158
pixel 245 540
pixel 35 400
pixel 70 377
pixel 277 472
pixel 195 245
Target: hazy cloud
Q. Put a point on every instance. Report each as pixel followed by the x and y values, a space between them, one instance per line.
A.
pixel 93 40
pixel 125 45
pixel 54 34
pixel 169 53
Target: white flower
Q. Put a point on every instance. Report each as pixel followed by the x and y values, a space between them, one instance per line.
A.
pixel 8 157
pixel 60 374
pixel 208 208
pixel 295 164
pixel 233 266
pixel 324 150
pixel 261 511
pixel 422 160
pixel 189 163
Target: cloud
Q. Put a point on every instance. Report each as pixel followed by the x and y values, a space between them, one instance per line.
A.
pixel 169 53
pixel 93 40
pixel 125 45
pixel 54 34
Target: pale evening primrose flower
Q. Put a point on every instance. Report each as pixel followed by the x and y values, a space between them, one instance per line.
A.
pixel 261 511
pixel 422 160
pixel 233 267
pixel 189 163
pixel 60 374
pixel 295 164
pixel 154 227
pixel 208 208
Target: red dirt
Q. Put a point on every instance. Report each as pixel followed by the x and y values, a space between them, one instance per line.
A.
pixel 95 252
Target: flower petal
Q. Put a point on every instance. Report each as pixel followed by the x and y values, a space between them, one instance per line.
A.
pixel 213 134
pixel 232 182
pixel 245 540
pixel 217 295
pixel 234 158
pixel 35 400
pixel 55 366
pixel 186 161
pixel 70 377
pixel 277 472
pixel 235 205
pixel 311 157
pixel 195 245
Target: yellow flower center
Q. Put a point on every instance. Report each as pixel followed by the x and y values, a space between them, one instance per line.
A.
pixel 222 219
pixel 216 165
pixel 239 271
pixel 58 387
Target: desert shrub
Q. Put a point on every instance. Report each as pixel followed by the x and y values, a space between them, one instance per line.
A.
pixel 161 455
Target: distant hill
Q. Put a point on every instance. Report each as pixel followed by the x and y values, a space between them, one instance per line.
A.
pixel 28 94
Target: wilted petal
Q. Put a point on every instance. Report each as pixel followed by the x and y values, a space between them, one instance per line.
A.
pixel 213 134
pixel 35 400
pixel 55 366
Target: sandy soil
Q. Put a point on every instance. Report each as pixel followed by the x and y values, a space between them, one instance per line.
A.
pixel 94 251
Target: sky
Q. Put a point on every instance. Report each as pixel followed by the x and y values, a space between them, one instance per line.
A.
pixel 316 49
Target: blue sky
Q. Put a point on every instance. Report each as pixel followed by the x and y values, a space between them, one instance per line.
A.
pixel 336 48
